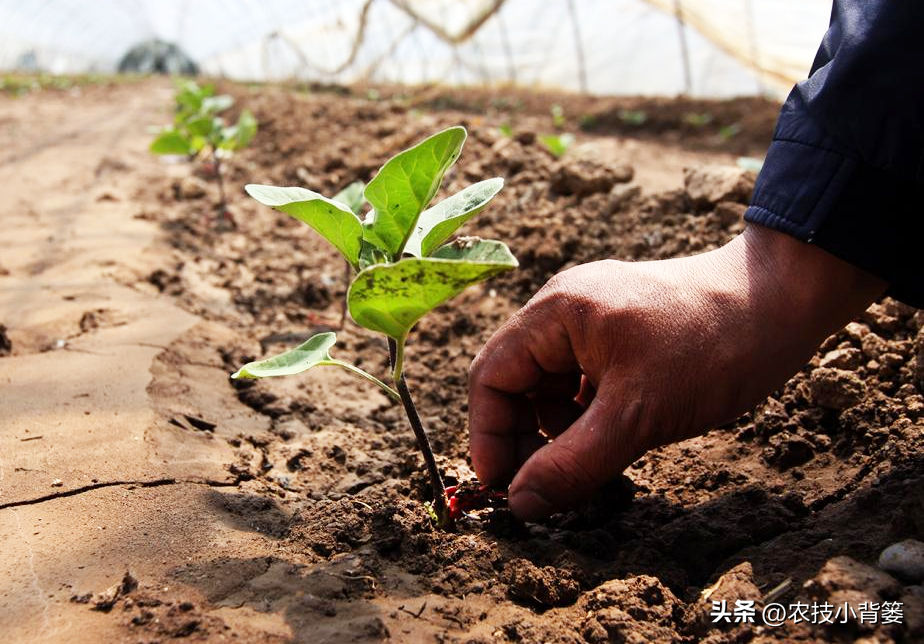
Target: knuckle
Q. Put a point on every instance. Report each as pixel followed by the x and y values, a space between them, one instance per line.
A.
pixel 474 369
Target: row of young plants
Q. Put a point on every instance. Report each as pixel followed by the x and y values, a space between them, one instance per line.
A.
pixel 199 132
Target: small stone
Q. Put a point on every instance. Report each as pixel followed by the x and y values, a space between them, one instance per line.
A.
pixel 835 388
pixel 709 185
pixel 905 560
pixel 57 483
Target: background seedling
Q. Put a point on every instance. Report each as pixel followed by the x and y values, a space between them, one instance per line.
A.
pixel 633 117
pixel 404 266
pixel 557 144
pixel 198 130
pixel 558 116
pixel 697 119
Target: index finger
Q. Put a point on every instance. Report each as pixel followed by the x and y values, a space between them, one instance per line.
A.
pixel 533 343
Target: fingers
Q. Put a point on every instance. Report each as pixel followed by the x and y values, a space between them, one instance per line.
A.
pixel 554 402
pixel 513 363
pixel 567 470
pixel 586 392
pixel 556 414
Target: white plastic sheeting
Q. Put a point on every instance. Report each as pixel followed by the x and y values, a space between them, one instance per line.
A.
pixel 733 47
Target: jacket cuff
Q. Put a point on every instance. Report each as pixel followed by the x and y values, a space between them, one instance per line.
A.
pixel 812 190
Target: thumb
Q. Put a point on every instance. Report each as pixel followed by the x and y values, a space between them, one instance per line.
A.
pixel 598 446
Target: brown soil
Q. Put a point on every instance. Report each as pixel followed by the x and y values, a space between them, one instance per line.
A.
pixel 312 529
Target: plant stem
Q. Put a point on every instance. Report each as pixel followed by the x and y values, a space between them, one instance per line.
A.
pixel 364 374
pixel 440 507
pixel 343 304
pixel 396 353
pixel 223 203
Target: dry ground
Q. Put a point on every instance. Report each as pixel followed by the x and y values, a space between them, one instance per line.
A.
pixel 290 510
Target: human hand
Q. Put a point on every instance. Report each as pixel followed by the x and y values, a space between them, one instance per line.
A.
pixel 610 359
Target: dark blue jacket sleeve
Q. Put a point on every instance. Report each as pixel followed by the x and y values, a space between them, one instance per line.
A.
pixel 845 169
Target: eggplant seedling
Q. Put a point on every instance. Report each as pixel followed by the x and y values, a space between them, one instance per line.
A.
pixel 404 266
pixel 198 130
pixel 557 144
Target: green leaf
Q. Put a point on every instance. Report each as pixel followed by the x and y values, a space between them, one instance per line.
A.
pixel 311 353
pixel 557 144
pixel 438 223
pixel 196 143
pixel 214 104
pixel 171 142
pixel 352 197
pixel 391 298
pixel 189 97
pixel 477 250
pixel 331 219
pixel 242 133
pixel 407 183
pixel 369 232
pixel 202 125
pixel 371 254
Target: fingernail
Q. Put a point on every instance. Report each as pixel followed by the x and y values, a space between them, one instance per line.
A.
pixel 528 504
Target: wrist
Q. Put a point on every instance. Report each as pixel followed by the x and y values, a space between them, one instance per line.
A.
pixel 797 284
pixel 772 301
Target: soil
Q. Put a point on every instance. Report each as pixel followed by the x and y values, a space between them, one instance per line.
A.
pixel 290 510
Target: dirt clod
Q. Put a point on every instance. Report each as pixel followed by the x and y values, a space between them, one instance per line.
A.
pixel 545 587
pixel 848 358
pixel 835 388
pixel 6 346
pixel 789 450
pixel 105 600
pixel 707 186
pixel 190 187
pixel 585 177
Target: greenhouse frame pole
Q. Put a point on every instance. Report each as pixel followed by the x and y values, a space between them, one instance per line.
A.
pixel 579 46
pixel 684 51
